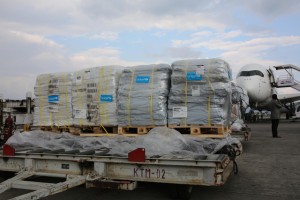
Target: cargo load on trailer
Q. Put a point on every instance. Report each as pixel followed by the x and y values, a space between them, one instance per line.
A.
pixel 195 94
pixel 160 142
pixel 142 95
pixel 200 92
pixel 240 101
pixel 94 96
pixel 53 100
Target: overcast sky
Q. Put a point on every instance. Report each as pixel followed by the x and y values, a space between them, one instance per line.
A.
pixel 60 36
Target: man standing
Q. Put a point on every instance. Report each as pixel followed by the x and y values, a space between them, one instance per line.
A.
pixel 8 127
pixel 275 106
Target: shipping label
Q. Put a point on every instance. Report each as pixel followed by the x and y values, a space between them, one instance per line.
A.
pixel 180 112
pixel 195 90
pixel 200 70
pixel 80 114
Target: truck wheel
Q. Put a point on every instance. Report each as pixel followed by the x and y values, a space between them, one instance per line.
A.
pixel 184 192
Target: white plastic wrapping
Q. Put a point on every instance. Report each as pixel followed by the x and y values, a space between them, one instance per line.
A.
pixel 200 92
pixel 95 96
pixel 159 142
pixel 240 101
pixel 238 125
pixel 53 100
pixel 142 95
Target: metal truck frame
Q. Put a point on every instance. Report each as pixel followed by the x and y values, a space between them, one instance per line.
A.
pixel 96 170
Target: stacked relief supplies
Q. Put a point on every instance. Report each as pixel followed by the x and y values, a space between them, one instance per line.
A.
pixel 240 102
pixel 95 96
pixel 142 95
pixel 200 92
pixel 53 100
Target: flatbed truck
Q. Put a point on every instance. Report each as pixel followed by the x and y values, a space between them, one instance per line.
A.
pixel 95 169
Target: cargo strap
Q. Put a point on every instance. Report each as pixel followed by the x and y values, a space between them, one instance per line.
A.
pixel 151 96
pixel 128 99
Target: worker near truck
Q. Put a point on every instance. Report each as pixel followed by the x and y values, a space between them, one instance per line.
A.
pixel 275 107
pixel 8 127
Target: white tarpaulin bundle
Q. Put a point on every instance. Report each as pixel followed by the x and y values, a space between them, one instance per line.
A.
pixel 142 95
pixel 53 100
pixel 200 92
pixel 159 142
pixel 95 96
pixel 240 102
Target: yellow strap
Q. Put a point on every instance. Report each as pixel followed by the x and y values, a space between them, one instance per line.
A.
pixel 208 103
pixel 50 113
pixel 101 106
pixel 107 77
pixel 104 129
pixel 67 95
pixel 151 96
pixel 80 97
pixel 208 112
pixel 40 100
pixel 128 99
pixel 186 90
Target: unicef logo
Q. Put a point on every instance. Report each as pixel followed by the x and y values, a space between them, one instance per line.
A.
pixel 142 79
pixel 53 98
pixel 106 98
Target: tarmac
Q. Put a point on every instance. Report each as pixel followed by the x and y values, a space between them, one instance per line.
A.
pixel 269 169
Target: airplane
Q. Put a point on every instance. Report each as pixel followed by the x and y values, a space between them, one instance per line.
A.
pixel 260 84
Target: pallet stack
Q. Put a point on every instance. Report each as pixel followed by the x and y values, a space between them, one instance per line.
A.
pixel 142 97
pixel 53 100
pixel 191 96
pixel 95 99
pixel 200 97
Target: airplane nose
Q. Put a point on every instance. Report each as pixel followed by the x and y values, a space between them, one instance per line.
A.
pixel 252 89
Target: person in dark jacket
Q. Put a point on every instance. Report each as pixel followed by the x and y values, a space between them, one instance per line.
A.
pixel 275 107
pixel 8 127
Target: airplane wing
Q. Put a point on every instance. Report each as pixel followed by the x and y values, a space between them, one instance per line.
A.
pixel 289 94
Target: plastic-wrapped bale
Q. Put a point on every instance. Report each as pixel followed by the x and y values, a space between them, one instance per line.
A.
pixel 95 96
pixel 236 103
pixel 53 100
pixel 41 114
pixel 200 92
pixel 240 101
pixel 142 95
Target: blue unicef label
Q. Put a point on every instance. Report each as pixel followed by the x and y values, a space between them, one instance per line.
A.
pixel 53 99
pixel 106 98
pixel 193 76
pixel 142 79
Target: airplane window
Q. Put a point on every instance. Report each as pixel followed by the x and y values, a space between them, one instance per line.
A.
pixel 250 73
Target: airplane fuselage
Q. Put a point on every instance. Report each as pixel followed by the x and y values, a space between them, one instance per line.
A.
pixel 255 79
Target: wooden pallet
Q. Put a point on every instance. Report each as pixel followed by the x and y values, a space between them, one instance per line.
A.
pixel 135 130
pixel 244 134
pixel 93 130
pixel 203 130
pixel 55 129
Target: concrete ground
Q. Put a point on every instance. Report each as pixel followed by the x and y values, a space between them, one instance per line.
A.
pixel 269 168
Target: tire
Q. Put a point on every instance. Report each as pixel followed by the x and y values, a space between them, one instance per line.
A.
pixel 184 192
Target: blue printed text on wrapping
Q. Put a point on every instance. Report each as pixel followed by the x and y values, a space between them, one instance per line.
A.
pixel 193 76
pixel 106 98
pixel 142 79
pixel 53 99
